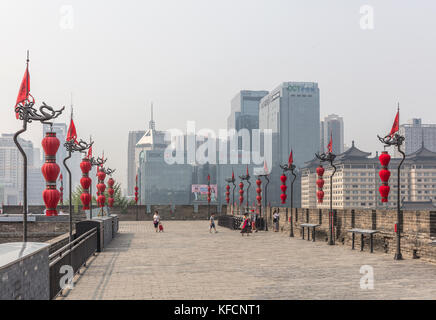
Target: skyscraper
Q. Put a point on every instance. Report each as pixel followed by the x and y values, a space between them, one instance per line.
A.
pixel 417 134
pixel 332 125
pixel 134 137
pixel 11 167
pixel 292 111
pixel 244 112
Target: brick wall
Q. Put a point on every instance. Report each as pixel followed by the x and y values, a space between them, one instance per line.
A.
pixel 418 228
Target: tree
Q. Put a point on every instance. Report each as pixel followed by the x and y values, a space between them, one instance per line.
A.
pixel 119 200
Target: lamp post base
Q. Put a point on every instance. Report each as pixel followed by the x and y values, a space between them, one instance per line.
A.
pixel 398 256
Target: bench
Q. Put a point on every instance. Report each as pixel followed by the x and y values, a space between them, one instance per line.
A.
pixel 362 233
pixel 308 226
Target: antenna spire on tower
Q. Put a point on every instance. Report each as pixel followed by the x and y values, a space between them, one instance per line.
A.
pixel 151 124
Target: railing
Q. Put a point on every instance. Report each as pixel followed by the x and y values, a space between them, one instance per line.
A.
pixel 74 254
pixel 231 222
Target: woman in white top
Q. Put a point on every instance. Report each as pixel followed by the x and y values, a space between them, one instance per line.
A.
pixel 156 219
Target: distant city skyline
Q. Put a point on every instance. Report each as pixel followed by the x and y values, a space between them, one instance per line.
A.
pixel 191 57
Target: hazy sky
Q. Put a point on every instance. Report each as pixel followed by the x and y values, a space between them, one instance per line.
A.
pixel 191 57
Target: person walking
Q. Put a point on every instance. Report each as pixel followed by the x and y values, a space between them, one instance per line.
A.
pixel 212 223
pixel 246 226
pixel 156 220
pixel 276 218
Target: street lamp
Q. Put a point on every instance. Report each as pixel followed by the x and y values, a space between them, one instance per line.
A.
pixel 208 196
pixel 232 181
pixel 25 111
pixel 329 157
pixel 290 167
pixel 394 139
pixel 246 178
pixel 71 146
pixel 136 197
pixel 97 163
pixel 265 198
pixel 110 189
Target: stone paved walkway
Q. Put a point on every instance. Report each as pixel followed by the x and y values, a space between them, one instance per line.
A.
pixel 187 262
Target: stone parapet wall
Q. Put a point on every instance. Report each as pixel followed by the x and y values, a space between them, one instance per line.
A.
pixel 418 228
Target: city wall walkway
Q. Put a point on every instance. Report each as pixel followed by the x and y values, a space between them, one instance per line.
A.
pixel 187 262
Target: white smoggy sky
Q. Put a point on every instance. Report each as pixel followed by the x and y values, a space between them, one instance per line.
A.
pixel 190 57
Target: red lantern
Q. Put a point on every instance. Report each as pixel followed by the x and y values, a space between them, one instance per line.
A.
pixel 86 199
pixel 111 192
pixel 50 144
pixel 384 158
pixel 241 199
pixel 320 183
pixel 101 187
pixel 51 198
pixel 241 192
pixel 320 171
pixel 101 199
pixel 85 182
pixel 50 171
pixel 227 187
pixel 136 199
pixel 320 195
pixel 259 192
pixel 136 188
pixel 283 187
pixel 384 192
pixel 85 165
pixel 110 202
pixel 101 174
pixel 111 182
pixel 384 174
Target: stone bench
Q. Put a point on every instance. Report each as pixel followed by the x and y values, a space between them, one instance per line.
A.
pixel 362 233
pixel 308 226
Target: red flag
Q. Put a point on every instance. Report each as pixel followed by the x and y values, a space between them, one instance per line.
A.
pixel 396 125
pixel 89 155
pixel 247 170
pixel 291 160
pixel 265 167
pixel 72 134
pixel 330 145
pixel 23 93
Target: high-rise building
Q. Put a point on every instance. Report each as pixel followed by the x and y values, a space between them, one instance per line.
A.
pixel 244 111
pixel 292 111
pixel 333 125
pixel 134 137
pixel 417 133
pixel 11 167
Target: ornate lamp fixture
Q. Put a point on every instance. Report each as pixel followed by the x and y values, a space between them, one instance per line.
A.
pixel 85 182
pixel 288 167
pixel 232 181
pixel 327 157
pixel 25 111
pixel 110 190
pixel 396 140
pixel 245 177
pixel 227 194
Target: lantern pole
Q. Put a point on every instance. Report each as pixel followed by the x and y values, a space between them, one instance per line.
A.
pixel 330 157
pixel 73 146
pixel 265 199
pixel 246 178
pixel 95 163
pixel 396 140
pixel 232 181
pixel 26 112
pixel 291 167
